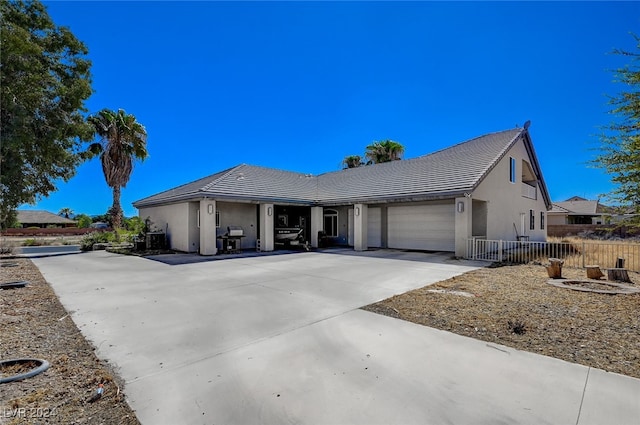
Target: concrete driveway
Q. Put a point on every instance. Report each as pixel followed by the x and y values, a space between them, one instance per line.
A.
pixel 280 339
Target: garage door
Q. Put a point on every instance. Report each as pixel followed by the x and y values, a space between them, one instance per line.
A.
pixel 374 226
pixel 424 227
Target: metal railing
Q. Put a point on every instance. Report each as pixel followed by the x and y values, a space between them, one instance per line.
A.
pixel 575 254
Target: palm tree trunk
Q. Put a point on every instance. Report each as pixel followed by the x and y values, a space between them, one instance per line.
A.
pixel 116 210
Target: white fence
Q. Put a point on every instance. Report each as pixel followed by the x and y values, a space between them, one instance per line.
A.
pixel 574 254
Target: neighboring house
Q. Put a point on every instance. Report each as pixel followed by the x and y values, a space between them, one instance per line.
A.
pixel 577 210
pixel 488 187
pixel 42 219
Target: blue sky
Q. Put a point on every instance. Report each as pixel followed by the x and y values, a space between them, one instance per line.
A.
pixel 300 85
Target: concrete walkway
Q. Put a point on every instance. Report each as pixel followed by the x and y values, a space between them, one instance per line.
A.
pixel 280 339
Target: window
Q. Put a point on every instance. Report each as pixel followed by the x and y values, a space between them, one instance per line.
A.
pixel 331 223
pixel 512 170
pixel 217 219
pixel 541 220
pixel 532 220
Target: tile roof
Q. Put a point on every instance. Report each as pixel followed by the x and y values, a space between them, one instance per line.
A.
pixel 454 170
pixel 445 173
pixel 583 207
pixel 248 182
pixel 41 217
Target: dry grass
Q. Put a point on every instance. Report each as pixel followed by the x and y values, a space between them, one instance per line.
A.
pixel 36 325
pixel 515 306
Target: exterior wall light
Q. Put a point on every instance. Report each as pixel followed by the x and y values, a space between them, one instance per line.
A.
pixel 210 209
pixel 269 211
pixel 357 210
pixel 460 207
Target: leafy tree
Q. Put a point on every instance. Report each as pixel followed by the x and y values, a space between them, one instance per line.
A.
pixel 44 81
pixel 84 221
pixel 384 151
pixel 66 212
pixel 620 141
pixel 103 218
pixel 352 161
pixel 123 140
pixel 134 224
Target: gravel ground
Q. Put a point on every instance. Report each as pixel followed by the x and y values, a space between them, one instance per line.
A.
pixel 34 324
pixel 516 307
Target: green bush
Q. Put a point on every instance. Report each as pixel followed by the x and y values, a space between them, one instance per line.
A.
pixel 87 241
pixel 31 242
pixel 134 224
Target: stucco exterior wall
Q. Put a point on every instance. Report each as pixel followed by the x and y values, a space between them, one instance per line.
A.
pixel 174 219
pixel 194 231
pixel 239 214
pixel 505 202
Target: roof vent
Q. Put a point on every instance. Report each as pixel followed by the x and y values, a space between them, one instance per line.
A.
pixel 240 176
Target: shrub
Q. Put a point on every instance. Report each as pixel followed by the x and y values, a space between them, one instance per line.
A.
pixel 87 241
pixel 31 242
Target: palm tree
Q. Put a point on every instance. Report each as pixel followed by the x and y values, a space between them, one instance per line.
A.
pixel 352 161
pixel 384 151
pixel 66 212
pixel 122 140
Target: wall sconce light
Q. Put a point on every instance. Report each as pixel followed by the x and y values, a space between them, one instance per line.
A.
pixel 210 209
pixel 269 211
pixel 460 207
pixel 357 210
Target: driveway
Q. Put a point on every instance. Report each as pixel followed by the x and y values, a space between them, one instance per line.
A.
pixel 280 339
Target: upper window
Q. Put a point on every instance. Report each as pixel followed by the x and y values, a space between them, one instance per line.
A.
pixel 542 220
pixel 532 220
pixel 331 223
pixel 512 170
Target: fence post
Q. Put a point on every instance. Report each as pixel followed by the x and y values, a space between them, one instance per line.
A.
pixel 500 250
pixel 584 254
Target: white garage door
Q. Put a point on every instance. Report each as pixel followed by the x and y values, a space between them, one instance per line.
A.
pixel 424 227
pixel 374 228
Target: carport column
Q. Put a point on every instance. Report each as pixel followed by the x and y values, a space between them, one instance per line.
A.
pixel 464 224
pixel 208 227
pixel 360 227
pixel 266 227
pixel 317 224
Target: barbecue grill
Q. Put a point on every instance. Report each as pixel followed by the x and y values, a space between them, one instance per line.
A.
pixel 232 240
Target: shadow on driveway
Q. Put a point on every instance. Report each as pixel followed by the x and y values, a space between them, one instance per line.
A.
pixel 389 254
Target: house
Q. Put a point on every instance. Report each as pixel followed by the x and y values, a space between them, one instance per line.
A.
pixel 487 187
pixel 577 210
pixel 42 219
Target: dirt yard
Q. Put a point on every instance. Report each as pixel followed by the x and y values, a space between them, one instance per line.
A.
pixel 35 325
pixel 516 307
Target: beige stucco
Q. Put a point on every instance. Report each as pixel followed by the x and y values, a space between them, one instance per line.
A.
pixel 172 219
pixel 239 214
